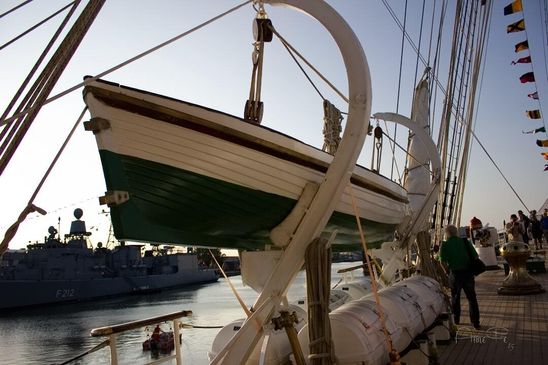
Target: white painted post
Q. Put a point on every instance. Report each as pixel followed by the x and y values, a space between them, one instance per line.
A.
pixel 178 357
pixel 113 353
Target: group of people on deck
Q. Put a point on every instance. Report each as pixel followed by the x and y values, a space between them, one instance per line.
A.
pixel 527 229
pixel 456 255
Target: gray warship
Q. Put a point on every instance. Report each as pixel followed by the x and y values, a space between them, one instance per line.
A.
pixel 55 271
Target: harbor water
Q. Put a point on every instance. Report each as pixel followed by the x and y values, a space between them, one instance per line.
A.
pixel 54 334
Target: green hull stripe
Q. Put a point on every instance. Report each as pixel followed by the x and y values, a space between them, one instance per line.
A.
pixel 169 205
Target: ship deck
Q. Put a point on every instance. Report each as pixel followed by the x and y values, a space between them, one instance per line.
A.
pixel 514 328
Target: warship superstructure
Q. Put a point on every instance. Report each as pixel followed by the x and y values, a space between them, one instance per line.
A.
pixel 55 271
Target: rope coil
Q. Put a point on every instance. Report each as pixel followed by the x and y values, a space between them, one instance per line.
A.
pixel 332 127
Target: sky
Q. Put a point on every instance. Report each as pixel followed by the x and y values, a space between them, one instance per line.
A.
pixel 212 67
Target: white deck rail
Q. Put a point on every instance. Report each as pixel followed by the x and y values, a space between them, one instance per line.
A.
pixel 113 331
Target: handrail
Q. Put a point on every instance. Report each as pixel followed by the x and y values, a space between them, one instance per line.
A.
pixel 109 330
pixel 351 268
pixel 90 351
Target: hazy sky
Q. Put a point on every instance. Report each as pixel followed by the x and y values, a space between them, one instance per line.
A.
pixel 212 67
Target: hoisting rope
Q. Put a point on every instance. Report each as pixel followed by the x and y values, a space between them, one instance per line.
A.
pixel 425 74
pixel 238 297
pixel 394 162
pixel 47 80
pixel 301 67
pixel 392 353
pixel 461 122
pixel 420 42
pixel 461 60
pixel 426 63
pixel 15 8
pixel 332 115
pixel 434 65
pixel 424 166
pixel 125 63
pixel 440 87
pixel 32 72
pixel 477 74
pixel 36 25
pixel 292 49
pixel 12 127
pixel 411 43
pixel 450 107
pixel 399 89
pixel 34 69
pixel 253 110
pixel 30 208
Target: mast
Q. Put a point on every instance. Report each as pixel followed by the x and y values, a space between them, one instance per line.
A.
pixel 454 139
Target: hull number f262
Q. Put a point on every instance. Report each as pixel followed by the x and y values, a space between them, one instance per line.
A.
pixel 64 293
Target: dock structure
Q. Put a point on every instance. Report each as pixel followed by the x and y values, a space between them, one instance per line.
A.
pixel 514 329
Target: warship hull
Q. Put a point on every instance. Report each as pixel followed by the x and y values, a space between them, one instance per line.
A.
pixel 25 293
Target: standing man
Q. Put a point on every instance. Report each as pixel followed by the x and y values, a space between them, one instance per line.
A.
pixel 524 221
pixel 455 255
pixel 513 229
pixel 544 225
pixel 156 333
pixel 536 230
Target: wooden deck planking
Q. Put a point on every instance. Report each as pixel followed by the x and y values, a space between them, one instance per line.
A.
pixel 524 318
pixel 498 321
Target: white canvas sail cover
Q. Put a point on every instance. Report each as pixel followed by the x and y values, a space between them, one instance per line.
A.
pixel 417 181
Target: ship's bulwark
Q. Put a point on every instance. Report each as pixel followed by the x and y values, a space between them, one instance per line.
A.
pixel 167 204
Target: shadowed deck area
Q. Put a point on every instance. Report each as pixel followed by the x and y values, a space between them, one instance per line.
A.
pixel 514 328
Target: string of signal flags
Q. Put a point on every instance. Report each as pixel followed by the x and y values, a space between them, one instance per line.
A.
pixel 528 77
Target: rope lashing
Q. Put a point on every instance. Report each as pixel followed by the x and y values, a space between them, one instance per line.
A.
pixel 318 273
pixel 392 352
pixel 332 127
pixel 10 232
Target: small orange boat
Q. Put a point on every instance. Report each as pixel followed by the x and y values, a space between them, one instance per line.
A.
pixel 163 343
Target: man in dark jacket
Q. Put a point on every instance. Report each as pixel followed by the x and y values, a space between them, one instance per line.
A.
pixel 455 254
pixel 525 222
